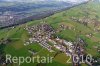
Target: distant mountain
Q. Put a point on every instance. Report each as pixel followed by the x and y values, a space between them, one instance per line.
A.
pixel 14 12
pixel 75 1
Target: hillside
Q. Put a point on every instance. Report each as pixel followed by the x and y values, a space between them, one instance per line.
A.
pixel 78 22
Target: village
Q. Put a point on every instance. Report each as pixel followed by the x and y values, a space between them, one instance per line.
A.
pixel 43 34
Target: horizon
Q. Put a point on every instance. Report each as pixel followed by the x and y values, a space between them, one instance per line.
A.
pixel 44 0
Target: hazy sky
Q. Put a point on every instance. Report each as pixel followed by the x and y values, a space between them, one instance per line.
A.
pixel 73 0
pixel 47 0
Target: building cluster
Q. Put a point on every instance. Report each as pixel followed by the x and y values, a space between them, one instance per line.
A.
pixel 64 27
pixel 84 20
pixel 43 33
pixel 40 34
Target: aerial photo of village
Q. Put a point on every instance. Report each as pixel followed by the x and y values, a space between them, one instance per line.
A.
pixel 49 32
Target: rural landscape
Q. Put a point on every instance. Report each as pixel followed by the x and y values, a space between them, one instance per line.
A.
pixel 67 31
